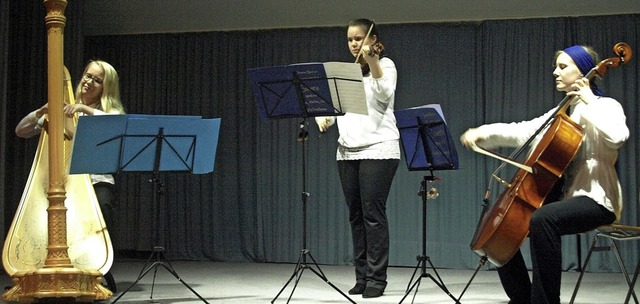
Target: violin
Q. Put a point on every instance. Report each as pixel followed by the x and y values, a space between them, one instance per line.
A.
pixel 376 49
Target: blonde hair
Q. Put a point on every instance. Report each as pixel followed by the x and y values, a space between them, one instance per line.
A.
pixel 110 99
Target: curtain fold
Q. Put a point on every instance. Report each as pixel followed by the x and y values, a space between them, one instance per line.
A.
pixel 4 66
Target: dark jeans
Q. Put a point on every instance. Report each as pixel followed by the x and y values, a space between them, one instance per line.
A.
pixel 366 185
pixel 548 224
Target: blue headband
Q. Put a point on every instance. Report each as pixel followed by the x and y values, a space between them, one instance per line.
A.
pixel 585 63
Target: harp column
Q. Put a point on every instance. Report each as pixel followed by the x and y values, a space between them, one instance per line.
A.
pixel 58 280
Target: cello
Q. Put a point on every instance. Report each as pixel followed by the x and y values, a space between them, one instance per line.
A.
pixel 505 226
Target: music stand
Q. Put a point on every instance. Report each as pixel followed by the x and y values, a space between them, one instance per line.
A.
pixel 307 90
pixel 427 145
pixel 135 143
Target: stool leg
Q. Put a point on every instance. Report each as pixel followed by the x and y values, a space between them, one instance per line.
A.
pixel 630 283
pixel 579 251
pixel 583 269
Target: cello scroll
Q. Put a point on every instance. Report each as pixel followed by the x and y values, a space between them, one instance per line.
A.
pixel 623 52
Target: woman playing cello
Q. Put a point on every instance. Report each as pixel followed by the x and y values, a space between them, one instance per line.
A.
pixel 591 195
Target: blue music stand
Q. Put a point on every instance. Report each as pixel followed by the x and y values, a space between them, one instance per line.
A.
pixel 308 90
pixel 427 145
pixel 146 143
pixel 129 143
pixel 426 141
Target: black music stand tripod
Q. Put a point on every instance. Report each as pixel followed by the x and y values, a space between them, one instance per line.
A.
pixel 426 193
pixel 282 92
pixel 427 145
pixel 157 256
pixel 302 263
pixel 146 143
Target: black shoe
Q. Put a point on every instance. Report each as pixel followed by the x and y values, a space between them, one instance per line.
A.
pixel 372 292
pixel 357 289
pixel 111 283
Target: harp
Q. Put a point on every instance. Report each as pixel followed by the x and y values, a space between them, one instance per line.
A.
pixel 57 245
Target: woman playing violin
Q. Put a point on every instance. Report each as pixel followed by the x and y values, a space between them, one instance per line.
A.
pixel 367 157
pixel 591 195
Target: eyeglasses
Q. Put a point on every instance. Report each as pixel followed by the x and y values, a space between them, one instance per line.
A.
pixel 95 79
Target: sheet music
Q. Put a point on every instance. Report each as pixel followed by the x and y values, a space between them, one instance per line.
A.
pixel 309 89
pixel 435 106
pixel 352 94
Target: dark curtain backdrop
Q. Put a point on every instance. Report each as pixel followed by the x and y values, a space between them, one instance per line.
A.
pixel 250 207
pixel 4 62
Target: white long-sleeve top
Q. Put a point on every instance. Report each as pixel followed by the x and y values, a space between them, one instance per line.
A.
pixel 592 172
pixel 373 136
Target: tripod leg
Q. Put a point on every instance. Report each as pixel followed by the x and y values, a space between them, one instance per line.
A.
pixel 413 275
pixel 300 267
pixel 142 274
pixel 153 282
pixel 415 285
pixel 443 287
pixel 170 269
pixel 437 279
pixel 295 285
pixel 154 266
pixel 293 275
pixel 143 271
pixel 159 253
pixel 320 274
pixel 440 281
pixel 153 254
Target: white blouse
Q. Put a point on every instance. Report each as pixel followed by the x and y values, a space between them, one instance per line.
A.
pixel 373 136
pixel 592 172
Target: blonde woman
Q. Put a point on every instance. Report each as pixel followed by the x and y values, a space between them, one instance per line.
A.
pixel 97 93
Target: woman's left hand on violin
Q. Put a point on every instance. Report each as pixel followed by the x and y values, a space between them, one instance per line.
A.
pixel 369 54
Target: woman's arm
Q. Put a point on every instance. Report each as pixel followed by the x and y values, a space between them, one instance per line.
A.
pixel 31 124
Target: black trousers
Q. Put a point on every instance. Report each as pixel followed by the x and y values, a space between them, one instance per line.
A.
pixel 548 224
pixel 366 185
pixel 107 199
pixel 106 195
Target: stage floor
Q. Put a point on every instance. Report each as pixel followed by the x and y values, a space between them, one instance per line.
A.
pixel 260 283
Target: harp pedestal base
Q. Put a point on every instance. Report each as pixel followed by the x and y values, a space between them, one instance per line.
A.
pixel 57 285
